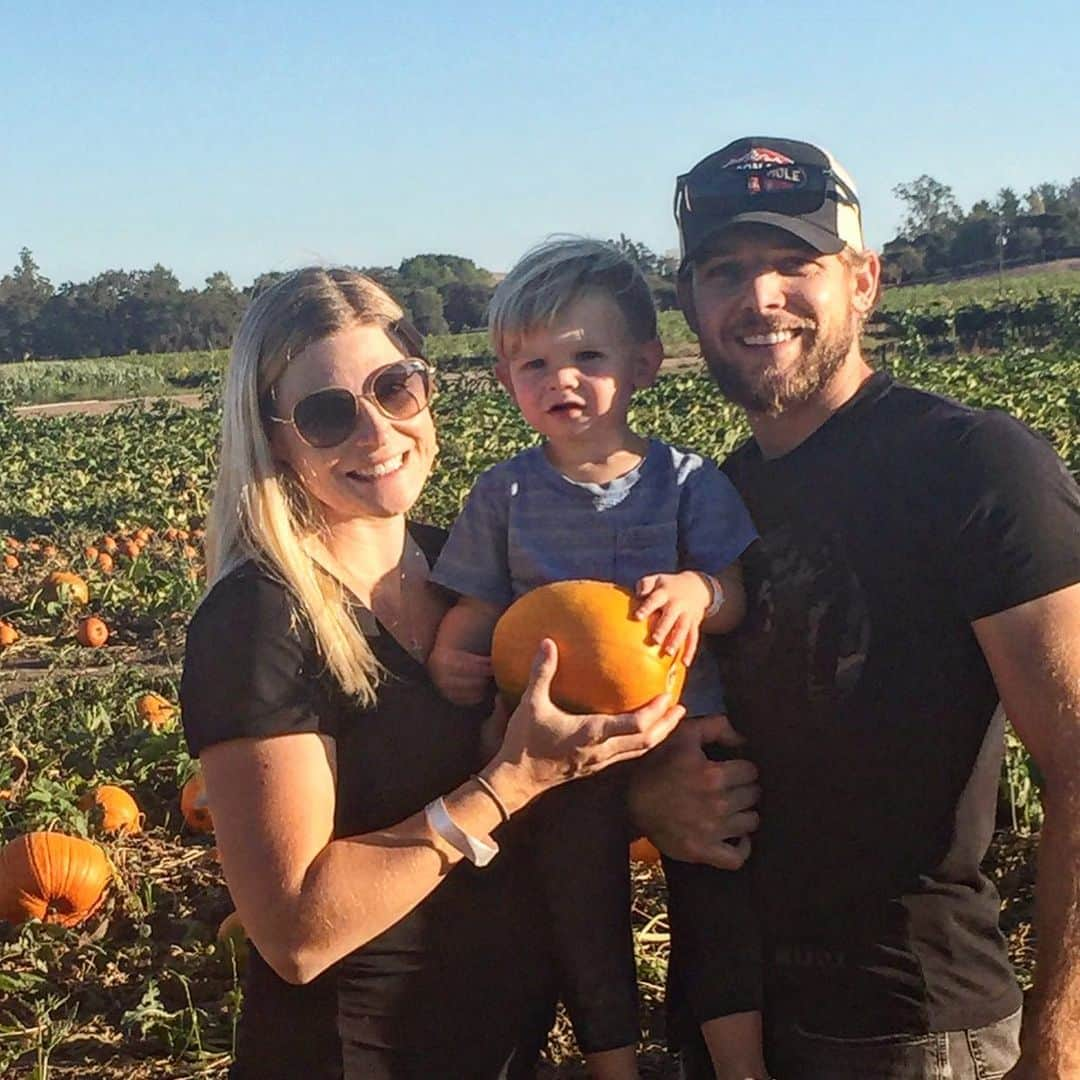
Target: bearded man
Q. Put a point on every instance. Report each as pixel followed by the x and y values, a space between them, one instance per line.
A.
pixel 919 563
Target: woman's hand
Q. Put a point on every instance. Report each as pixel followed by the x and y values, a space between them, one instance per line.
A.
pixel 544 746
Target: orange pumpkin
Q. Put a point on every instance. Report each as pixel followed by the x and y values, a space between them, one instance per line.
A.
pixel 93 632
pixel 644 851
pixel 606 664
pixel 8 634
pixel 52 877
pixel 90 553
pixel 63 582
pixel 11 562
pixel 155 711
pixel 105 563
pixel 109 544
pixel 119 811
pixel 194 807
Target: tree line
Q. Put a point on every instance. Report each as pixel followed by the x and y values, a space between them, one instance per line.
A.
pixel 146 311
pixel 937 237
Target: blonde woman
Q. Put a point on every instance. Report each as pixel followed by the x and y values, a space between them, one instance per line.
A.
pixel 355 812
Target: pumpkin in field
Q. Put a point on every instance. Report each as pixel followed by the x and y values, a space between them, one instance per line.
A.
pixel 8 634
pixel 155 711
pixel 119 811
pixel 105 562
pixel 62 582
pixel 52 877
pixel 93 632
pixel 11 562
pixel 606 664
pixel 643 850
pixel 194 807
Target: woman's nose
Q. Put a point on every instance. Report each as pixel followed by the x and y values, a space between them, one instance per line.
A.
pixel 372 425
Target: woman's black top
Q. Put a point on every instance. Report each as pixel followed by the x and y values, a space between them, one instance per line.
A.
pixel 453 987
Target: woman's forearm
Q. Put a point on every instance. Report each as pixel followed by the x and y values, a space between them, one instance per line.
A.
pixel 358 887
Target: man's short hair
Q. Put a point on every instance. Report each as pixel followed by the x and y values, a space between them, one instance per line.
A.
pixel 557 273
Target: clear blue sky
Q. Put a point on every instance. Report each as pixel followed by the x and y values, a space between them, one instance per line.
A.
pixel 251 137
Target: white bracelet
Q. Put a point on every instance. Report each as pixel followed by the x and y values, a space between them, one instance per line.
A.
pixel 478 852
pixel 716 594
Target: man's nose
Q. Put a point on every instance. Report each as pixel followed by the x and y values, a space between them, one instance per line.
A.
pixel 764 291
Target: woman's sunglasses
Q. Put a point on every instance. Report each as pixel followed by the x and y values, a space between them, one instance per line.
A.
pixel 328 417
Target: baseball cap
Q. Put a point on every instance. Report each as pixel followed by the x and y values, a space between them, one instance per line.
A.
pixel 790 185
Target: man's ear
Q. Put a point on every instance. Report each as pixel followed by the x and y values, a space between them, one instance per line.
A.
pixel 650 357
pixel 866 282
pixel 502 373
pixel 684 293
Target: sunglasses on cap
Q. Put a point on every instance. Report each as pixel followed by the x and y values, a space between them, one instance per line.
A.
pixel 718 192
pixel 329 416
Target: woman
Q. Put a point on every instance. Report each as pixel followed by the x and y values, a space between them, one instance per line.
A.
pixel 346 793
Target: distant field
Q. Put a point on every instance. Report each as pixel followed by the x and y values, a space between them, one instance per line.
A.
pixel 1014 283
pixel 110 378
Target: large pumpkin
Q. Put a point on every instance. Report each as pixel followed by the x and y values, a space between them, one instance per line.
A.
pixel 606 664
pixel 155 711
pixel 52 877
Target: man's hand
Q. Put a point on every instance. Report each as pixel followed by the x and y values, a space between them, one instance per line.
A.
pixel 461 677
pixel 678 602
pixel 692 808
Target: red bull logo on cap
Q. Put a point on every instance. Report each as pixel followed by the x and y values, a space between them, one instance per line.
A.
pixel 758 157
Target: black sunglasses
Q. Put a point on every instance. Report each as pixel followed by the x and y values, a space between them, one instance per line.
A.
pixel 328 417
pixel 793 190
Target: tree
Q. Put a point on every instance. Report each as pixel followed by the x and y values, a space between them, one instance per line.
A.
pixel 426 306
pixel 465 304
pixel 931 206
pixel 23 293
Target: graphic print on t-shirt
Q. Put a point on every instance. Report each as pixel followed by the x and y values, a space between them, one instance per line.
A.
pixel 807 621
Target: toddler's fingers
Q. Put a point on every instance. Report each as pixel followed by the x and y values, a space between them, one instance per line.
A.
pixel 652 603
pixel 646 584
pixel 665 623
pixel 693 640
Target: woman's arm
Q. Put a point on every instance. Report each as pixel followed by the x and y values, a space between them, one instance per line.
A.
pixel 307 899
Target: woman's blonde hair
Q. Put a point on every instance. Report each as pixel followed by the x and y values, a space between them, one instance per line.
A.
pixel 260 510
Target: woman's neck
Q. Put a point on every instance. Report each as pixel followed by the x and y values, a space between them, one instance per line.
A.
pixel 597 461
pixel 365 551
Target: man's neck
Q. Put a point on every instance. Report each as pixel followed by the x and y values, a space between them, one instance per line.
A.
pixel 780 434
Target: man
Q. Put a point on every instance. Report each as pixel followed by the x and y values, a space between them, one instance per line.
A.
pixel 919 560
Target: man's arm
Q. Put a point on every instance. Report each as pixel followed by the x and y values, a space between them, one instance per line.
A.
pixel 1033 651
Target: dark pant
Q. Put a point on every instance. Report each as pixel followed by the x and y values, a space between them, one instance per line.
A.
pixel 985 1053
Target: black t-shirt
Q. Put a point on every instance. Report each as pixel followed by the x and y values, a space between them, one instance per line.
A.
pixel 870 708
pixel 449 988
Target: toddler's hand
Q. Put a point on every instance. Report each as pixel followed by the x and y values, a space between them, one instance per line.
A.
pixel 678 602
pixel 461 677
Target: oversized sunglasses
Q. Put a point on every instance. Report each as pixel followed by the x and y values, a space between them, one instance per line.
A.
pixel 720 193
pixel 329 416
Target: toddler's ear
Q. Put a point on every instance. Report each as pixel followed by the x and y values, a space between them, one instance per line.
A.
pixel 502 373
pixel 650 357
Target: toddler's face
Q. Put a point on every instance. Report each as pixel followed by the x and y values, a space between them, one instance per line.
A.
pixel 576 376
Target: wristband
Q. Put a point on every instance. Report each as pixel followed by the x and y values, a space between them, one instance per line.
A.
pixel 478 852
pixel 716 594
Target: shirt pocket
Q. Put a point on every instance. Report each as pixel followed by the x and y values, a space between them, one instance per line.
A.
pixel 646 549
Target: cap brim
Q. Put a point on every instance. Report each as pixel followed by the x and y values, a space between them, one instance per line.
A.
pixel 828 243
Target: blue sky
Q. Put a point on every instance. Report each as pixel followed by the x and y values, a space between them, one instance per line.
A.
pixel 245 137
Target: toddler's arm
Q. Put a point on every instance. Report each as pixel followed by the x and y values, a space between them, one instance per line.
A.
pixel 735 1048
pixel 460 661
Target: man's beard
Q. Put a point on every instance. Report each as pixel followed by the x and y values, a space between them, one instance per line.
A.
pixel 769 391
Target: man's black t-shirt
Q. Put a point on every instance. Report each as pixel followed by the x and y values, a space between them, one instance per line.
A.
pixel 870 708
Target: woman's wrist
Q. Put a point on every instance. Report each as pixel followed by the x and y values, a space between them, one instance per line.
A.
pixel 509 784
